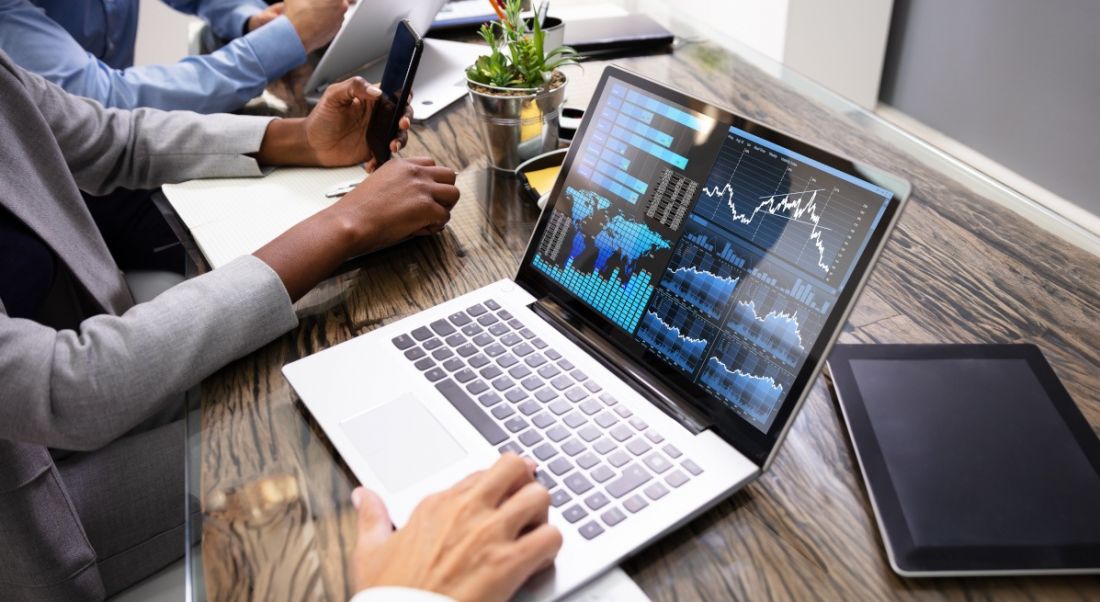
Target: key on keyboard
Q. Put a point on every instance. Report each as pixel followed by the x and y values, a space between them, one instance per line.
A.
pixel 469 410
pixel 442 327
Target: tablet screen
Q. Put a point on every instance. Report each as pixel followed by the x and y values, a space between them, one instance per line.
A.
pixel 978 454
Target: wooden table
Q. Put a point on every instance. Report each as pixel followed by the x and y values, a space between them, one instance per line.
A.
pixel 963 266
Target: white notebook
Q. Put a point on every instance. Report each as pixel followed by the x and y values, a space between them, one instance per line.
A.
pixel 230 217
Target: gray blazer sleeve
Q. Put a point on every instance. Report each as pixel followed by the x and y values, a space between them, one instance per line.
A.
pixel 81 389
pixel 144 148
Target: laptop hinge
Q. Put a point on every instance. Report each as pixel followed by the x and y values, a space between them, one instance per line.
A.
pixel 624 367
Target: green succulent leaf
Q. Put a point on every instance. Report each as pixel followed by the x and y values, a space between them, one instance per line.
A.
pixel 518 57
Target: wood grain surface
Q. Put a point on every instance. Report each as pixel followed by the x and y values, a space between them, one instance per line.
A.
pixel 278 523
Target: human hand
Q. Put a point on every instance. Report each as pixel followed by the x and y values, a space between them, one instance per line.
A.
pixel 266 16
pixel 316 21
pixel 336 128
pixel 403 198
pixel 479 540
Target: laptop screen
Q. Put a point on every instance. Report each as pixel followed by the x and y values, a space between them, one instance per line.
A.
pixel 705 244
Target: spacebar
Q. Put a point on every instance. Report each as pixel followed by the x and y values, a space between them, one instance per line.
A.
pixel 471 412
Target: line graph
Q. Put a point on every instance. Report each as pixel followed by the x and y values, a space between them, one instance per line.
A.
pixel 776 331
pixel 766 315
pixel 753 264
pixel 701 278
pixel 794 204
pixel 751 384
pixel 805 215
pixel 707 290
pixel 754 296
pixel 675 333
pixel 756 393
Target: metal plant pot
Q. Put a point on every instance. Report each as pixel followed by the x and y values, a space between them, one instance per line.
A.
pixel 516 128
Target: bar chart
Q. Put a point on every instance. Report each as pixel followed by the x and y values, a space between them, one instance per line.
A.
pixel 607 252
pixel 622 302
pixel 633 137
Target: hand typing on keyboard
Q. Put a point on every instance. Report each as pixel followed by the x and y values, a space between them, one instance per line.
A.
pixel 479 540
pixel 594 455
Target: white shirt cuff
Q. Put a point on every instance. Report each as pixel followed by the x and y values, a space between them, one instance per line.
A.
pixel 399 594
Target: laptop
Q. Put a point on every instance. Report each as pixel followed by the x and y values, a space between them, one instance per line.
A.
pixel 463 14
pixel 363 42
pixel 676 301
pixel 620 33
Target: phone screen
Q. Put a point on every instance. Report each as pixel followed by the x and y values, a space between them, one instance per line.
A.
pixel 396 84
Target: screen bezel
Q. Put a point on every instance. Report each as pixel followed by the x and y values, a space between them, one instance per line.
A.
pixel 380 147
pixel 737 431
pixel 905 556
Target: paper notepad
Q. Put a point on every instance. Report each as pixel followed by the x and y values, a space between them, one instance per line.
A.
pixel 231 217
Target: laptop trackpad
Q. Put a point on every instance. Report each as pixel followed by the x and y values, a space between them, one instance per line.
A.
pixel 402 442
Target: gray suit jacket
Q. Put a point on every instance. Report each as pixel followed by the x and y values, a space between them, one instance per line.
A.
pixel 79 389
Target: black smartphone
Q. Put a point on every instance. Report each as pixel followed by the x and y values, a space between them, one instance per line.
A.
pixel 396 86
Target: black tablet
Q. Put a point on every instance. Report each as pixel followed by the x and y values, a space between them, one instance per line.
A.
pixel 975 458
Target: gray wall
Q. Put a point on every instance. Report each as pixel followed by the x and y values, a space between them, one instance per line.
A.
pixel 1017 80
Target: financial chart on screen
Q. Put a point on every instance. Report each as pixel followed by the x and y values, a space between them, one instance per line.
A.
pixel 718 251
pixel 610 235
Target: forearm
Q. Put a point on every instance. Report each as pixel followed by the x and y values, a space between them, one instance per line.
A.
pixel 226 17
pixel 285 143
pixel 406 197
pixel 310 251
pixel 220 81
pixel 146 148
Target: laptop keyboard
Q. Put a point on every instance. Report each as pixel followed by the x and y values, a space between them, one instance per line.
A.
pixel 599 461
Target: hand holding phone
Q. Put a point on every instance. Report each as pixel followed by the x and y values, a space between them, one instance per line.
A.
pixel 396 87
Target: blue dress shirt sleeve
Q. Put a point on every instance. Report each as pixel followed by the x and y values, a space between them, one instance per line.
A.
pixel 226 17
pixel 217 82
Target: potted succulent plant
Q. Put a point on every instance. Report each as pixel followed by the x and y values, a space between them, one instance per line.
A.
pixel 518 88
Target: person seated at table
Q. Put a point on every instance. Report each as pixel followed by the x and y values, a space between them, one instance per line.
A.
pixel 91 472
pixel 87 47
